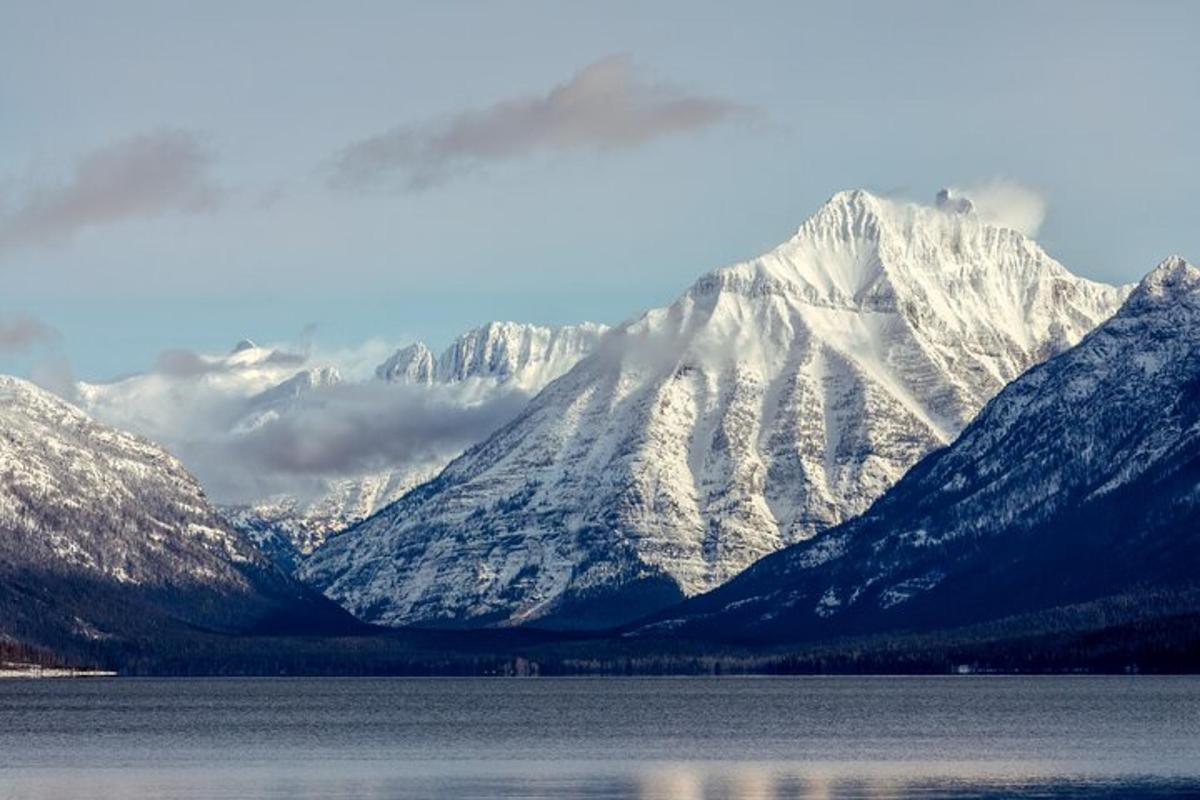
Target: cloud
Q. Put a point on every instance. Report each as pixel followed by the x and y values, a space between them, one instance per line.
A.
pixel 54 374
pixel 605 106
pixel 179 363
pixel 226 418
pixel 353 428
pixel 143 176
pixel 184 364
pixel 1008 203
pixel 23 333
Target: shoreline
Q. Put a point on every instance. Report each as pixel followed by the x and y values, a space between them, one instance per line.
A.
pixel 17 671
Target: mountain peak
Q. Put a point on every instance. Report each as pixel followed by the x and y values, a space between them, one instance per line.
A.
pixel 773 399
pixel 243 345
pixel 1172 282
pixel 947 223
pixel 949 200
pixel 412 364
pixel 19 392
pixel 853 198
pixel 1093 452
pixel 849 212
pixel 507 351
pixel 1173 274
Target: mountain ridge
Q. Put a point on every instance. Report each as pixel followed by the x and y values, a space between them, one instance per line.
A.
pixel 201 405
pixel 107 536
pixel 1034 506
pixel 772 400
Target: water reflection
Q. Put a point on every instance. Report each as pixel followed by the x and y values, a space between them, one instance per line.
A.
pixel 750 784
pixel 631 739
pixel 679 783
pixel 640 782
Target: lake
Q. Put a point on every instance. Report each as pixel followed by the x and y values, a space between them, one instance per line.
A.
pixel 668 738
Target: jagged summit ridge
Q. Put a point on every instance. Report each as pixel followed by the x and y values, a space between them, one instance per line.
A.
pixel 506 352
pixel 772 400
pixel 1173 281
pixel 414 364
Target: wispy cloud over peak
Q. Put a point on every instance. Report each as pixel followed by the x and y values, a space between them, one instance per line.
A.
pixel 607 105
pixel 141 176
pixel 1006 202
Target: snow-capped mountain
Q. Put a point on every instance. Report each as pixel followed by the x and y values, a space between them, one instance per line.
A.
pixel 270 403
pixel 227 389
pixel 528 356
pixel 287 527
pixel 225 415
pixel 773 400
pixel 513 353
pixel 413 364
pixel 509 357
pixel 1080 480
pixel 117 524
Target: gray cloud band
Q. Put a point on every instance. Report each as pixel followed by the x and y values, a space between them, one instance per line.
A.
pixel 23 333
pixel 605 106
pixel 143 176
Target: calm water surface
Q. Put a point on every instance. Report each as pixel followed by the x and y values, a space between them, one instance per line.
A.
pixel 668 738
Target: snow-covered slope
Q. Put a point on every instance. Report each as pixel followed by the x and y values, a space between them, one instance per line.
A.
pixel 66 478
pixel 289 526
pixel 270 404
pixel 1080 480
pixel 527 356
pixel 92 506
pixel 412 364
pixel 774 399
pixel 514 354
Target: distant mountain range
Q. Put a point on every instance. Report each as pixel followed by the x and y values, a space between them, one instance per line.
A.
pixel 516 354
pixel 775 399
pixel 1079 482
pixel 902 435
pixel 204 406
pixel 105 536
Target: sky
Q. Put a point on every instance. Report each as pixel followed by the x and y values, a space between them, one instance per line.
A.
pixel 183 175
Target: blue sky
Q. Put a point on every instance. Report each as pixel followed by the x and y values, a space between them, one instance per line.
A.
pixel 733 122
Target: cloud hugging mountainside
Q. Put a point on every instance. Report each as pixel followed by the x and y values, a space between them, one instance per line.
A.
pixel 292 449
pixel 775 399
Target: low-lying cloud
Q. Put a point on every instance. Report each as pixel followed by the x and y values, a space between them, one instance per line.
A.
pixel 23 333
pixel 605 106
pixel 180 363
pixel 354 428
pixel 138 177
pixel 248 431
